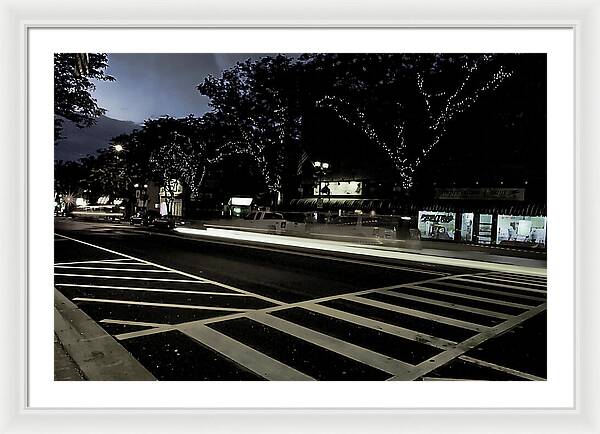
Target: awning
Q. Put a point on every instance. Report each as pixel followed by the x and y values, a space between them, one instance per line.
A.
pixel 412 208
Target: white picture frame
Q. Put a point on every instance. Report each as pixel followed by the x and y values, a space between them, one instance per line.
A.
pixel 19 16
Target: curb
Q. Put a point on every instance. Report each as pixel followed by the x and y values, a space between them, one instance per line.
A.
pixel 97 354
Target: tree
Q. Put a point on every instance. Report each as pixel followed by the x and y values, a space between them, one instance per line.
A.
pixel 257 104
pixel 73 75
pixel 403 103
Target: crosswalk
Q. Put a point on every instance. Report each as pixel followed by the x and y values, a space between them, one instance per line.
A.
pixel 411 331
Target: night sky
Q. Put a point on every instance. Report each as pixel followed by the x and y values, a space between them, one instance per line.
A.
pixel 152 85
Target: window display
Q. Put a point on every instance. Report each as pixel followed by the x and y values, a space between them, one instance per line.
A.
pixel 437 225
pixel 521 229
pixel 466 227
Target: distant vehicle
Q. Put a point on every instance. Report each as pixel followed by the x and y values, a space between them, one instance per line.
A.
pixel 270 221
pixel 164 222
pixel 102 212
pixel 144 218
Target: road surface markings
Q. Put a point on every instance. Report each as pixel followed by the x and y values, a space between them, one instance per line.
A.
pixel 148 303
pixel 112 269
pixel 135 323
pixel 136 288
pixel 511 371
pixel 494 280
pixel 99 276
pixel 419 314
pixel 501 285
pixel 450 354
pixel 468 297
pixel 352 351
pixel 451 284
pixel 251 359
pixel 270 368
pixel 222 285
pixel 457 307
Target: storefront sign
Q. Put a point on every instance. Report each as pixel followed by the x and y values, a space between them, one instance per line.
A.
pixel 339 188
pixel 437 225
pixel 480 193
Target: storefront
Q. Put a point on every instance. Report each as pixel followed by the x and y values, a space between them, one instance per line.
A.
pixel 526 230
pixel 437 225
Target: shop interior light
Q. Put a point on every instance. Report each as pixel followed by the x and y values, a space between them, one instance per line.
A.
pixel 145 185
pixel 325 165
pixel 136 185
pixel 317 164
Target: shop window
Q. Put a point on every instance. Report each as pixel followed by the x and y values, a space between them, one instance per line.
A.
pixel 437 225
pixel 485 229
pixel 521 229
pixel 466 227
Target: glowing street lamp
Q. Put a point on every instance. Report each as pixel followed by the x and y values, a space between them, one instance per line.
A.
pixel 118 148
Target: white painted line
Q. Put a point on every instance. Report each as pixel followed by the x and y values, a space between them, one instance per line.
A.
pixel 141 288
pixel 147 303
pixel 213 282
pixel 248 357
pixel 458 307
pixel 419 314
pixel 112 269
pixel 448 283
pixel 84 262
pixel 492 280
pixel 519 278
pixel 98 276
pixel 382 326
pixel 136 323
pixel 354 352
pixel 469 297
pixel 500 285
pixel 501 368
pixel 450 354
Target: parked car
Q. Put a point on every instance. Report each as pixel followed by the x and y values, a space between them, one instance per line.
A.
pixel 144 218
pixel 164 222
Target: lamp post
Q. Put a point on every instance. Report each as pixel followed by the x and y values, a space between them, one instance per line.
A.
pixel 321 169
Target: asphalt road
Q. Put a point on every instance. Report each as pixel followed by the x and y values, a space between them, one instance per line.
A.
pixel 194 309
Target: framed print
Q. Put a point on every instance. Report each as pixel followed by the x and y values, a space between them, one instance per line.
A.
pixel 399 210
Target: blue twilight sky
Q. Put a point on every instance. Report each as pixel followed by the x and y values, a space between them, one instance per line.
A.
pixel 152 85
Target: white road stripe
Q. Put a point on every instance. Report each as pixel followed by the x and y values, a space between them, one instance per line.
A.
pixel 112 269
pixel 354 352
pixel 448 283
pixel 85 262
pixel 523 277
pixel 147 303
pixel 222 285
pixel 492 281
pixel 136 323
pixel 450 354
pixel 502 368
pixel 248 357
pixel 141 288
pixel 98 276
pixel 469 297
pixel 382 326
pixel 419 314
pixel 501 285
pixel 458 307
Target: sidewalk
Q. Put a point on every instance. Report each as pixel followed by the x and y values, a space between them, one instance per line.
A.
pixel 65 369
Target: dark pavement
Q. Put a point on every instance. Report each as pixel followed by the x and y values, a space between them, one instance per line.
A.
pixel 194 309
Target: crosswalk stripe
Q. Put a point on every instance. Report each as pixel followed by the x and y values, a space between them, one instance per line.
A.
pixel 136 323
pixel 354 352
pixel 148 303
pixel 382 326
pixel 113 269
pixel 493 281
pixel 468 297
pixel 448 283
pixel 248 357
pixel 452 353
pixel 458 307
pixel 501 285
pixel 419 314
pixel 520 277
pixel 141 288
pixel 97 276
pixel 511 371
